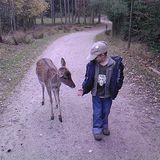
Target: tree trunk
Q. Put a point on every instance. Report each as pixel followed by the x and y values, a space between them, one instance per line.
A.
pixel 69 11
pixel 78 11
pixel 92 17
pixel 99 12
pixel 75 10
pixel 12 16
pixel 1 31
pixel 53 11
pixel 24 24
pixel 65 11
pixel 99 17
pixel 1 38
pixel 61 11
pixel 84 10
pixel 33 22
pixel 130 24
pixel 114 26
pixel 72 10
pixel 42 20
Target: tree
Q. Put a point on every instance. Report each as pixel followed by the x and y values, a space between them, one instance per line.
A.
pixel 65 11
pixel 1 31
pixel 72 10
pixel 130 24
pixel 53 11
pixel 116 11
pixel 12 15
pixel 76 10
pixel 5 17
pixel 68 4
pixel 61 10
pixel 96 8
pixel 85 10
pixel 28 9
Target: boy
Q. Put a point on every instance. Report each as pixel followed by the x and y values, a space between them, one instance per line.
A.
pixel 103 78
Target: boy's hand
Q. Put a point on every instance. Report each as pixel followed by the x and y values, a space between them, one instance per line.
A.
pixel 80 92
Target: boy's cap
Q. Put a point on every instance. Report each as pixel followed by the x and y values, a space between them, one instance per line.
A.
pixel 98 48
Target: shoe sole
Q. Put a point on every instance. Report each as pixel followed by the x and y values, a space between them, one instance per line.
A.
pixel 98 139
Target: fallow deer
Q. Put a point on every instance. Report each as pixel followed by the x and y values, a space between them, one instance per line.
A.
pixel 51 77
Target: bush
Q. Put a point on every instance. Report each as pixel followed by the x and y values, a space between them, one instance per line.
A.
pixel 38 35
pixel 18 38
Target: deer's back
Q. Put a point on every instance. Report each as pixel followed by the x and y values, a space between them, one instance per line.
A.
pixel 43 69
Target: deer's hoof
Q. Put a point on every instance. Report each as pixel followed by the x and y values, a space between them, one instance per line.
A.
pixel 52 117
pixel 42 103
pixel 60 118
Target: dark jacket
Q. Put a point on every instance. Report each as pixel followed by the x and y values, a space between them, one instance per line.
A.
pixel 116 78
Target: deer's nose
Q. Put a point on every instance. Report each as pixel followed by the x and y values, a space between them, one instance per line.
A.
pixel 73 86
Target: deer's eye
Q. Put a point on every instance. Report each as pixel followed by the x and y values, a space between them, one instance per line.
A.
pixel 65 77
pixel 68 74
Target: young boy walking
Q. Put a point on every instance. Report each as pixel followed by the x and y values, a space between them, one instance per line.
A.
pixel 104 77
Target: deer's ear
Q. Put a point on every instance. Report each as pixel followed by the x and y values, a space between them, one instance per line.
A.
pixel 63 62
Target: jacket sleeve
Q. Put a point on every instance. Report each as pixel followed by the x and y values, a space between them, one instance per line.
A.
pixel 117 77
pixel 88 82
pixel 120 76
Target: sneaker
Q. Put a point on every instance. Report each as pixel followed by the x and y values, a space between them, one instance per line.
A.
pixel 98 137
pixel 106 131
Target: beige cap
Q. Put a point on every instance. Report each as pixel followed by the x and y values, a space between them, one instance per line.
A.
pixel 98 48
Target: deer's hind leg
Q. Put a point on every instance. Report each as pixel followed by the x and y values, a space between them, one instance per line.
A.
pixel 42 94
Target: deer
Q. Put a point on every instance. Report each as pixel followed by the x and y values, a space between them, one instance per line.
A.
pixel 51 78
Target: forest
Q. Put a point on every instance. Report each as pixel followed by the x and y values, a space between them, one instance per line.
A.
pixel 136 19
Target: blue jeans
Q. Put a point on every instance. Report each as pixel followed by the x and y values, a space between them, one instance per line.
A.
pixel 101 110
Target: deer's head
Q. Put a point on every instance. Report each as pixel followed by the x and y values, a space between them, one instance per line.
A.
pixel 65 75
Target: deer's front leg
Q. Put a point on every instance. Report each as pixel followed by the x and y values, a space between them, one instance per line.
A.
pixel 58 102
pixel 60 115
pixel 55 97
pixel 51 101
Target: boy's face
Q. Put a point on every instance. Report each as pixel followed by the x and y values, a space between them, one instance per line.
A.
pixel 101 58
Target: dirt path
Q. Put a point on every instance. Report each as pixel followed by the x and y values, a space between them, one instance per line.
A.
pixel 27 133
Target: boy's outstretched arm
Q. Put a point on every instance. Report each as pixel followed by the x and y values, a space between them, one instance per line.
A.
pixel 80 92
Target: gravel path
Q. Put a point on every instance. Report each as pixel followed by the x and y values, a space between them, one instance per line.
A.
pixel 27 133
